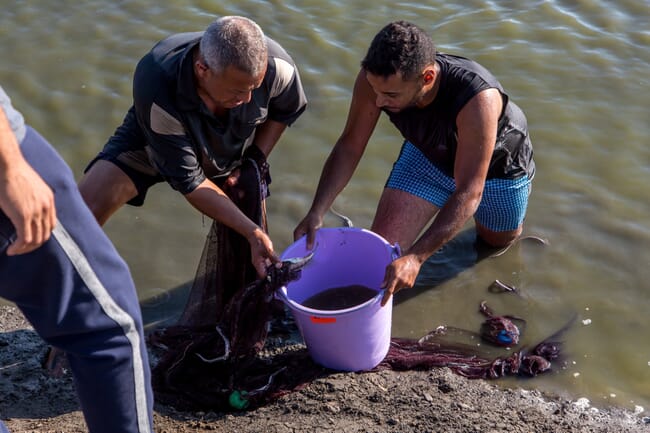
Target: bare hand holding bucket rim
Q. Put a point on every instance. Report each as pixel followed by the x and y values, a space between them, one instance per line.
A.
pixel 308 226
pixel 400 274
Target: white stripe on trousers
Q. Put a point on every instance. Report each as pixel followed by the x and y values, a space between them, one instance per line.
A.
pixel 113 311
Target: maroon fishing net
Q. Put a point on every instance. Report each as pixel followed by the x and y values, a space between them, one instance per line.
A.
pixel 215 357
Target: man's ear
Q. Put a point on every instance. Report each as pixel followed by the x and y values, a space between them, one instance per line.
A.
pixel 200 68
pixel 429 75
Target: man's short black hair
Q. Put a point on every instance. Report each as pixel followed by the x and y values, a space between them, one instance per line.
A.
pixel 399 47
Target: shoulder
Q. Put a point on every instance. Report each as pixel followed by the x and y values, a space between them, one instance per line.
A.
pixel 481 113
pixel 164 59
pixel 465 80
pixel 176 43
pixel 277 51
pixel 280 62
pixel 467 72
pixel 282 70
pixel 156 78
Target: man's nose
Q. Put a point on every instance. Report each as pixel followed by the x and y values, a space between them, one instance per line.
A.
pixel 245 98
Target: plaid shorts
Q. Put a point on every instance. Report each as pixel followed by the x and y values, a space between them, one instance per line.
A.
pixel 504 202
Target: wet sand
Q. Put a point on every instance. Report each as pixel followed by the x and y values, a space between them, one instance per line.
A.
pixel 415 401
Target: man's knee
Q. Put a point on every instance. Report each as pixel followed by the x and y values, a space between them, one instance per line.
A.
pixel 498 239
pixel 105 188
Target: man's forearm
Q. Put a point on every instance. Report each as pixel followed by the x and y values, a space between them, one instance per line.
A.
pixel 267 135
pixel 451 218
pixel 336 174
pixel 9 149
pixel 211 201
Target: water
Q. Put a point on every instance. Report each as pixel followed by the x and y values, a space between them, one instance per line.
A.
pixel 339 298
pixel 579 69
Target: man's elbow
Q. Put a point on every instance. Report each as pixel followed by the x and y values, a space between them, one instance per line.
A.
pixel 471 197
pixel 190 189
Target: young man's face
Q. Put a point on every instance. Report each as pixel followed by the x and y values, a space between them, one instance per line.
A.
pixel 393 93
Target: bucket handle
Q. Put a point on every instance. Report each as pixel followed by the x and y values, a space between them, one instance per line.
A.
pixel 281 296
pixel 395 251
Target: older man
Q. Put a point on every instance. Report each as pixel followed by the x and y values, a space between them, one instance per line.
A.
pixel 202 102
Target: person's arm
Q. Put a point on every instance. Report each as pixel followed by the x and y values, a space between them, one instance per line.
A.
pixel 286 104
pixel 210 200
pixel 267 135
pixel 172 153
pixel 344 158
pixel 25 198
pixel 477 130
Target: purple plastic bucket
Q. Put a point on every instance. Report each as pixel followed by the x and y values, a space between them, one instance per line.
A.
pixel 356 338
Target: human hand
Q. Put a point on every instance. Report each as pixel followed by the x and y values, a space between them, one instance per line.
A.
pixel 28 202
pixel 262 254
pixel 308 226
pixel 231 185
pixel 400 274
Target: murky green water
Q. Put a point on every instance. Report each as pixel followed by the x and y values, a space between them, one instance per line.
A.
pixel 579 69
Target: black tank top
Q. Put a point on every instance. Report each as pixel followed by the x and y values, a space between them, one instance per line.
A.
pixel 432 129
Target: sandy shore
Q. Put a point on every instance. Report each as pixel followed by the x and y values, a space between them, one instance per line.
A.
pixel 387 401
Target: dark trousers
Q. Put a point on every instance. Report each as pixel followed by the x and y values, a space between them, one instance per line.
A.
pixel 79 296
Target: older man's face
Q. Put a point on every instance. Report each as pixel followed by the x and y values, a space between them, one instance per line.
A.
pixel 228 88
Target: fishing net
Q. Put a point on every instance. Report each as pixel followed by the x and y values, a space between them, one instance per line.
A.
pixel 225 265
pixel 215 357
pixel 201 377
pixel 226 317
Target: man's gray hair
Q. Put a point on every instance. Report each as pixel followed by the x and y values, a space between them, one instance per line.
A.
pixel 234 41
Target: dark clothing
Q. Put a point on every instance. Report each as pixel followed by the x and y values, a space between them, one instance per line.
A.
pixel 79 296
pixel 432 129
pixel 170 134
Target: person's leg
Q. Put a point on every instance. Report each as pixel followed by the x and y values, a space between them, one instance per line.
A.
pixel 497 239
pixel 108 183
pixel 121 173
pixel 500 216
pixel 79 295
pixel 401 216
pixel 414 193
pixel 105 188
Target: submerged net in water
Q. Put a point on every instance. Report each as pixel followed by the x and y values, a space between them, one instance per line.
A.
pixel 212 358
